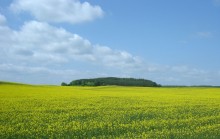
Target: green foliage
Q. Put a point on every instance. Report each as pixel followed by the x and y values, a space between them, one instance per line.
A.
pixel 10 83
pixel 113 81
pixel 109 112
pixel 64 84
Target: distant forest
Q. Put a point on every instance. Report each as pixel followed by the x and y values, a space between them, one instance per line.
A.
pixel 112 81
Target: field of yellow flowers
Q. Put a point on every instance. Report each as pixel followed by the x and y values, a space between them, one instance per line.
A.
pixel 28 111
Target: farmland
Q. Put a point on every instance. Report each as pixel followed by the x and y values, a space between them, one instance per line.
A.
pixel 28 111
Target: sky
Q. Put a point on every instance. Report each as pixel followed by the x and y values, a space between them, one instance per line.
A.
pixel 172 42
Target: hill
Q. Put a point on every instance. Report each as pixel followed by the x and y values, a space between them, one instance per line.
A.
pixel 10 83
pixel 112 81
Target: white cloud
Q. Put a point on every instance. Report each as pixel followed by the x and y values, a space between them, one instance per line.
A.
pixel 50 75
pixel 71 11
pixel 117 59
pixel 2 19
pixel 42 44
pixel 41 53
pixel 38 48
pixel 36 75
pixel 16 68
pixel 181 75
pixel 5 38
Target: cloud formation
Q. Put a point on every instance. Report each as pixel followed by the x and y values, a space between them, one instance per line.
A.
pixel 41 43
pixel 2 19
pixel 39 52
pixel 38 48
pixel 58 11
pixel 47 54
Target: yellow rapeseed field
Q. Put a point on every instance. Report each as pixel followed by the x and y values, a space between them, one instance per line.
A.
pixel 28 111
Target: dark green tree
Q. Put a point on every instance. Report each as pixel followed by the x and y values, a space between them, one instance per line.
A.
pixel 114 81
pixel 64 84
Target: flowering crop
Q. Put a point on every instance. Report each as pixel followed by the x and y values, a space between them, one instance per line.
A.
pixel 108 112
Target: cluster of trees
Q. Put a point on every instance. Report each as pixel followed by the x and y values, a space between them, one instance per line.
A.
pixel 112 81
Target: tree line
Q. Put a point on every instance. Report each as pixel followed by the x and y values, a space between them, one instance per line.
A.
pixel 112 81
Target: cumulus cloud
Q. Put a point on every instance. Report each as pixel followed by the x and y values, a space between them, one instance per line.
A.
pixel 71 11
pixel 5 38
pixel 41 43
pixel 38 48
pixel 44 42
pixel 2 19
pixel 117 59
pixel 46 54
pixel 41 53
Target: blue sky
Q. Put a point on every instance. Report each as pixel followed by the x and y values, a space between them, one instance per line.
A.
pixel 170 42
